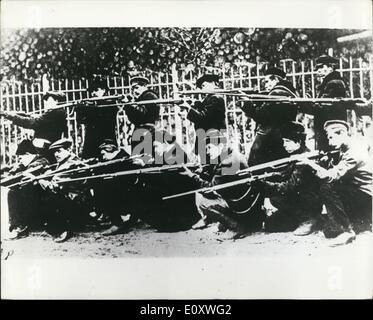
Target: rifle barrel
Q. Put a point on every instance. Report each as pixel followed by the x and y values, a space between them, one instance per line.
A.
pixel 276 163
pixel 218 91
pixel 309 100
pixel 128 172
pixel 221 186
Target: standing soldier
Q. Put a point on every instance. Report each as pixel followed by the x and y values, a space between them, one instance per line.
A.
pixel 99 119
pixel 209 114
pixel 332 86
pixel 143 117
pixel 49 126
pixel 269 117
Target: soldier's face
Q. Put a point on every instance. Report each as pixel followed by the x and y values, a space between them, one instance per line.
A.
pixel 290 145
pixel 98 93
pixel 108 154
pixel 50 103
pixel 61 154
pixel 269 82
pixel 137 90
pixel 324 71
pixel 208 86
pixel 337 137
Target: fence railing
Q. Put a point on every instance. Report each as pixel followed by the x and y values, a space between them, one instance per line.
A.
pixel 17 96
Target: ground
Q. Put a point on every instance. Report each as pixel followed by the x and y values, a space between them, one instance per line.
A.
pixel 143 241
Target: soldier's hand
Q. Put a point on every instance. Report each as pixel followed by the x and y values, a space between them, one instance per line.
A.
pixel 44 184
pixel 139 162
pixel 28 175
pixel 186 172
pixel 127 98
pixel 7 114
pixel 268 207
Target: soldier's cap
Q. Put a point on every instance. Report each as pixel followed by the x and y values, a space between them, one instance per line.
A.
pixel 57 95
pixel 325 60
pixel 207 78
pixel 108 144
pixel 275 72
pixel 294 131
pixel 98 83
pixel 142 81
pixel 336 125
pixel 62 143
pixel 25 146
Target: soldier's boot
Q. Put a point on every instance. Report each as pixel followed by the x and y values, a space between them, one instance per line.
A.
pixel 344 238
pixel 306 228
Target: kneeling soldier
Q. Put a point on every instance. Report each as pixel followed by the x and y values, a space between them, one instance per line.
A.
pixel 24 202
pixel 220 206
pixel 346 185
pixel 292 195
pixel 65 202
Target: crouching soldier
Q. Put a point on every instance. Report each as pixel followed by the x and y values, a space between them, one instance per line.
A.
pixel 346 185
pixel 220 206
pixel 292 196
pixel 24 205
pixel 112 196
pixel 66 203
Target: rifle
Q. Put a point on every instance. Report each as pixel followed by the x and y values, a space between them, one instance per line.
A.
pixel 223 185
pixel 130 172
pixel 44 176
pixel 273 165
pixel 96 165
pixel 277 164
pixel 227 92
pixel 19 176
pixel 312 105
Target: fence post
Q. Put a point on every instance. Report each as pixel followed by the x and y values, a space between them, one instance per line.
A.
pixel 178 120
pixel 45 85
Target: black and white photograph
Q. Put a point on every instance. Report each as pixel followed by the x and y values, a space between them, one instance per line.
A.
pixel 164 152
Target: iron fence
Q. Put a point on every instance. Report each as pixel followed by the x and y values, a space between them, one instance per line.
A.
pixel 27 98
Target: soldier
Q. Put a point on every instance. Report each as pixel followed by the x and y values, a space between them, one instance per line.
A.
pixel 65 203
pixel 143 117
pixel 24 203
pixel 269 117
pixel 111 197
pixel 346 185
pixel 49 126
pixel 99 119
pixel 221 206
pixel 293 194
pixel 171 215
pixel 332 86
pixel 208 114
